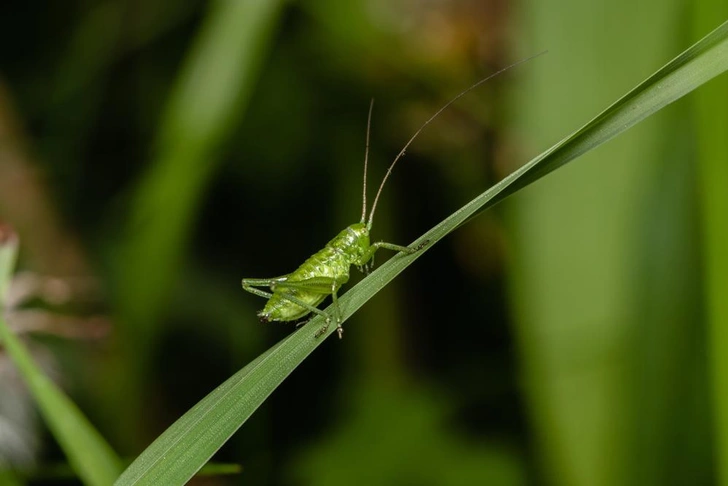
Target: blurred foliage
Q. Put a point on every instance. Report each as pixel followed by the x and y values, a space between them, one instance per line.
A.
pixel 418 448
pixel 135 154
pixel 711 122
pixel 608 300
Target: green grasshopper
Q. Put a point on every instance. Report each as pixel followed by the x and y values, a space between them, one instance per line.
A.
pixel 297 294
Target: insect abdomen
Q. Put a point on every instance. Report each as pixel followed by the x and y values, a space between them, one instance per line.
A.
pixel 330 262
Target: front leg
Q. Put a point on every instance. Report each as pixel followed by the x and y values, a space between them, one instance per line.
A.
pixel 404 249
pixel 368 257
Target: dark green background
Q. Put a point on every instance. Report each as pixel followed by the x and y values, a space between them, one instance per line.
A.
pixel 559 339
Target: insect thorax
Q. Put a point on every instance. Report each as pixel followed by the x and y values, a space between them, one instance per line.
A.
pixel 353 241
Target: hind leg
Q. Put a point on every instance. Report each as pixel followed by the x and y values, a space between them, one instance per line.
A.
pixel 337 310
pixel 322 285
pixel 250 284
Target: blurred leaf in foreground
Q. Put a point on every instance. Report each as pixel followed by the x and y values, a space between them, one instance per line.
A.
pixel 91 457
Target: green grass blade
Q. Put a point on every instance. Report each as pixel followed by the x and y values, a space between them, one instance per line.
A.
pixel 188 444
pixel 91 457
pixel 192 440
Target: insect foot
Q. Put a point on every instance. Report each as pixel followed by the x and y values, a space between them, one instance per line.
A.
pixel 421 246
pixel 323 329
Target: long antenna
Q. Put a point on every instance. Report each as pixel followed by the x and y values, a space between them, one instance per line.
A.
pixel 366 160
pixel 404 149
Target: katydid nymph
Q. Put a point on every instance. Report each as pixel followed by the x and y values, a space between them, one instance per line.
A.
pixel 297 294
